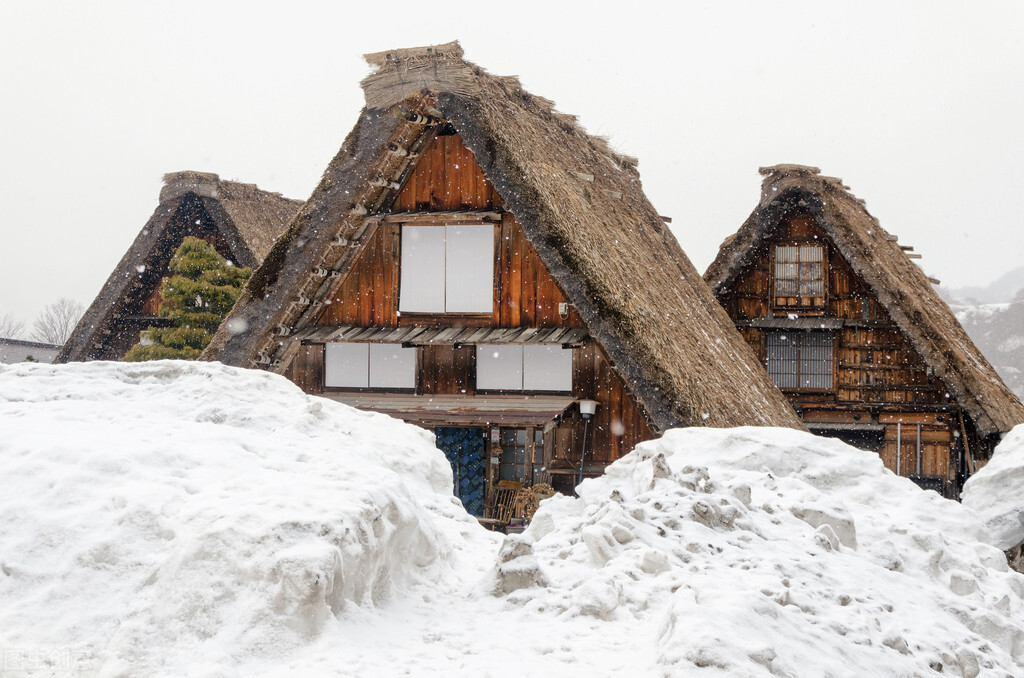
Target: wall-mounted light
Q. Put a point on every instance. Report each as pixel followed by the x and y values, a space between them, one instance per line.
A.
pixel 587 409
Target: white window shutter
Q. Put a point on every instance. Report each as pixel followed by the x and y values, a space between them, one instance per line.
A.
pixel 469 269
pixel 422 270
pixel 345 365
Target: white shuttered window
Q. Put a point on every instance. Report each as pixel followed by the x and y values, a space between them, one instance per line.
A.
pixel 358 365
pixel 447 269
pixel 519 367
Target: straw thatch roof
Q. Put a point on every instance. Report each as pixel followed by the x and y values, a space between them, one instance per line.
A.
pixel 899 285
pixel 580 205
pixel 248 220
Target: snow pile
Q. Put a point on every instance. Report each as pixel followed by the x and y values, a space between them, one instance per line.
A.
pixel 995 491
pixel 181 519
pixel 772 552
pixel 159 517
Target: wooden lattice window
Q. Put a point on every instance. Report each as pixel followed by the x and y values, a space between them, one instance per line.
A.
pixel 801 360
pixel 799 280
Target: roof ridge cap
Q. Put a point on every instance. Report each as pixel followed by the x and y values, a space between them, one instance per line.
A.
pixel 402 73
pixel 177 184
pixel 788 168
pixel 392 57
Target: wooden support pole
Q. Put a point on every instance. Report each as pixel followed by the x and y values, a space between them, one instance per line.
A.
pixel 899 445
pixel 919 449
pixel 967 447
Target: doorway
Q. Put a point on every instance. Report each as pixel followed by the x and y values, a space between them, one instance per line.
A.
pixel 465 449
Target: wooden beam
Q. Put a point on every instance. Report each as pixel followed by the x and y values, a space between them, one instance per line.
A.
pixel 435 217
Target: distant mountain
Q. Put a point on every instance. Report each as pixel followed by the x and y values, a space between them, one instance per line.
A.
pixel 998 331
pixel 1004 289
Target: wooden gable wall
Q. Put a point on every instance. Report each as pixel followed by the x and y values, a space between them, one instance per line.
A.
pixel 527 296
pixel 879 376
pixel 447 177
pixel 875 362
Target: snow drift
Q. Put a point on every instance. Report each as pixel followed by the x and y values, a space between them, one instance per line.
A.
pixel 178 519
pixel 772 552
pixel 995 492
pixel 159 515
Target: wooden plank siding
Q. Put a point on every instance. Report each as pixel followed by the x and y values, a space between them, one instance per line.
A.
pixel 525 294
pixel 307 368
pixel 368 296
pixel 447 369
pixel 617 425
pixel 878 373
pixel 447 177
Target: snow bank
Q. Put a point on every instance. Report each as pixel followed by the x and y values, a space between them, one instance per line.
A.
pixel 995 491
pixel 160 517
pixel 179 519
pixel 757 552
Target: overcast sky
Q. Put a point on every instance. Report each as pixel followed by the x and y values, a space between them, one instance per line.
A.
pixel 918 106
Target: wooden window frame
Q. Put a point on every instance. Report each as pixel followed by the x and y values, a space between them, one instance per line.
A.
pixel 804 333
pixel 522 376
pixel 810 308
pixel 439 317
pixel 415 388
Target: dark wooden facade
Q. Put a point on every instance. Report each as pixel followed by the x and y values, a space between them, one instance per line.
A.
pixel 447 186
pixel 883 396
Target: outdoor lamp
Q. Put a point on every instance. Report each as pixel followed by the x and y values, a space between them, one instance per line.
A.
pixel 587 409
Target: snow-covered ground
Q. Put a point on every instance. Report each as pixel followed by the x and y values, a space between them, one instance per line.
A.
pixel 180 519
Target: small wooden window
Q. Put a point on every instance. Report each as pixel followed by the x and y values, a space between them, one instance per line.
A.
pixel 799 280
pixel 801 360
pixel 361 365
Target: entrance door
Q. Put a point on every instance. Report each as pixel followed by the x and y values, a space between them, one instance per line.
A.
pixel 522 455
pixel 464 447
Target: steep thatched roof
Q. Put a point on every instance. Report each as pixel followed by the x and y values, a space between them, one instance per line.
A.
pixel 248 219
pixel 900 286
pixel 580 205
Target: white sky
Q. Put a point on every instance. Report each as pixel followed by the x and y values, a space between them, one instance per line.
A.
pixel 918 106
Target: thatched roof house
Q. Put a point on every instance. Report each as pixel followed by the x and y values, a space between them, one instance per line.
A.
pixel 240 220
pixel 898 348
pixel 578 203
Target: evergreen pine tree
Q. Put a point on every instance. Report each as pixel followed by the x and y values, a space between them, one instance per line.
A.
pixel 196 298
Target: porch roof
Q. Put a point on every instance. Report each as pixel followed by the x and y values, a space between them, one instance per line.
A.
pixel 421 335
pixel 460 410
